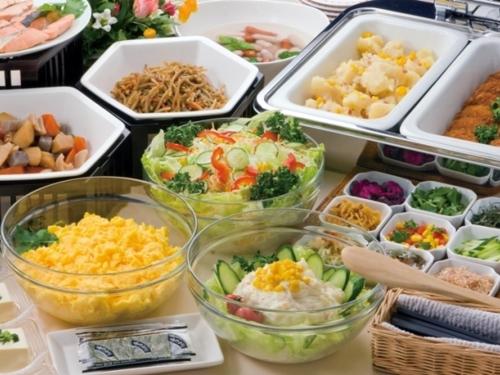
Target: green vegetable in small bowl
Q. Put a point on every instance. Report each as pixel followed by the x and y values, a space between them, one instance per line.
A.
pixel 467 168
pixel 440 200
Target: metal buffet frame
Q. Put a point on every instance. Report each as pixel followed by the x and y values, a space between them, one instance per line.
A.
pixel 457 14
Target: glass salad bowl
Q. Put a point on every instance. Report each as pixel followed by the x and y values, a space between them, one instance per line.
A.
pixel 272 284
pixel 98 250
pixel 211 206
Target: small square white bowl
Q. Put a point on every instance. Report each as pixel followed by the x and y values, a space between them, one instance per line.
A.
pixel 385 212
pixel 380 178
pixel 471 232
pixel 445 44
pixel 391 247
pixel 479 205
pixel 419 218
pixel 472 267
pixel 429 166
pixel 468 198
pixel 495 178
pixel 460 175
pixel 223 69
pixel 69 106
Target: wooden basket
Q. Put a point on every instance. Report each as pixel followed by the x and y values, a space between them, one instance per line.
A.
pixel 400 353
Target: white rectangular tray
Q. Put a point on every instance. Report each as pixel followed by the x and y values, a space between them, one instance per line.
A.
pixel 432 116
pixel 445 43
pixel 63 347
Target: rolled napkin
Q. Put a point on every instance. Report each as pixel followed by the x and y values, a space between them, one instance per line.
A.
pixel 480 323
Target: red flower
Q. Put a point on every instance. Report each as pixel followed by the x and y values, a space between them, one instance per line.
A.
pixel 169 8
pixel 144 8
pixel 116 9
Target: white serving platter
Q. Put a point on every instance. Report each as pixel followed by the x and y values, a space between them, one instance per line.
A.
pixel 435 112
pixel 63 347
pixel 69 106
pixel 223 68
pixel 445 43
pixel 78 25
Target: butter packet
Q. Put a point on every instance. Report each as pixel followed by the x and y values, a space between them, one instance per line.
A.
pixel 133 345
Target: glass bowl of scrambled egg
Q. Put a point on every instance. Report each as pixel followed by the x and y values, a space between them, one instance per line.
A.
pixel 272 283
pixel 98 250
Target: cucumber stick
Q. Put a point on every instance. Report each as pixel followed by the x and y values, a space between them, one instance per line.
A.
pixel 353 288
pixel 285 252
pixel 193 170
pixel 237 158
pixel 316 264
pixel 227 277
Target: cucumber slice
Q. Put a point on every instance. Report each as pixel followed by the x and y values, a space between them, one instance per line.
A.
pixel 237 158
pixel 228 279
pixel 193 170
pixel 340 278
pixel 236 266
pixel 316 264
pixel 353 288
pixel 205 158
pixel 235 127
pixel 266 151
pixel 327 275
pixel 285 252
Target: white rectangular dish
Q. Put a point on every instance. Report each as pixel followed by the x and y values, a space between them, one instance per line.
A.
pixel 468 199
pixel 432 116
pixel 461 175
pixel 63 347
pixel 471 232
pixel 223 68
pixel 479 205
pixel 69 106
pixel 380 178
pixel 445 43
pixel 419 218
pixel 472 267
pixel 385 212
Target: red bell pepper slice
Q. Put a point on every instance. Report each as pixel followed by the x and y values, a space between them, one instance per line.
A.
pixel 251 170
pixel 166 175
pixel 292 164
pixel 220 137
pixel 223 170
pixel 176 147
pixel 270 135
pixel 244 181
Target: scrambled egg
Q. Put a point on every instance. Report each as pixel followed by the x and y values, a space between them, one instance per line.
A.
pixel 93 251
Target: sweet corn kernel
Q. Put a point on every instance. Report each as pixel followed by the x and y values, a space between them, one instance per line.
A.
pixel 416 237
pixel 366 34
pixel 401 60
pixel 401 90
pixel 272 277
pixel 412 55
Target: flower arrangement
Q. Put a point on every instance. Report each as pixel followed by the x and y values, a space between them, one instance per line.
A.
pixel 113 21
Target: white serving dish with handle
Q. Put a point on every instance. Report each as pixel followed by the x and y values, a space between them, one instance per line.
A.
pixel 481 180
pixel 380 178
pixel 385 211
pixel 435 112
pixel 445 43
pixel 479 206
pixel 223 69
pixel 476 268
pixel 429 166
pixel 70 107
pixel 471 232
pixel 419 218
pixel 468 199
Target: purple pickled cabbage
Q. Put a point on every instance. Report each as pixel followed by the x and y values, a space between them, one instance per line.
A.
pixel 407 156
pixel 389 192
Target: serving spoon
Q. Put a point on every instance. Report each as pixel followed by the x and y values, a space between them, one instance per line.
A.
pixel 392 273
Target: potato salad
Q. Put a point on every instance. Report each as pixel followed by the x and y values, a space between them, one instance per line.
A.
pixel 372 84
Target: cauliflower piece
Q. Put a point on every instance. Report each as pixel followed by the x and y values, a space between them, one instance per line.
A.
pixel 379 109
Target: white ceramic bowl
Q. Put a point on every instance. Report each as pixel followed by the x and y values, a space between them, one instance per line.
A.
pixel 385 211
pixel 479 205
pixel 380 178
pixel 392 247
pixel 212 16
pixel 468 199
pixel 494 180
pixel 444 42
pixel 471 232
pixel 432 116
pixel 223 68
pixel 419 218
pixel 460 175
pixel 429 166
pixel 69 106
pixel 472 267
